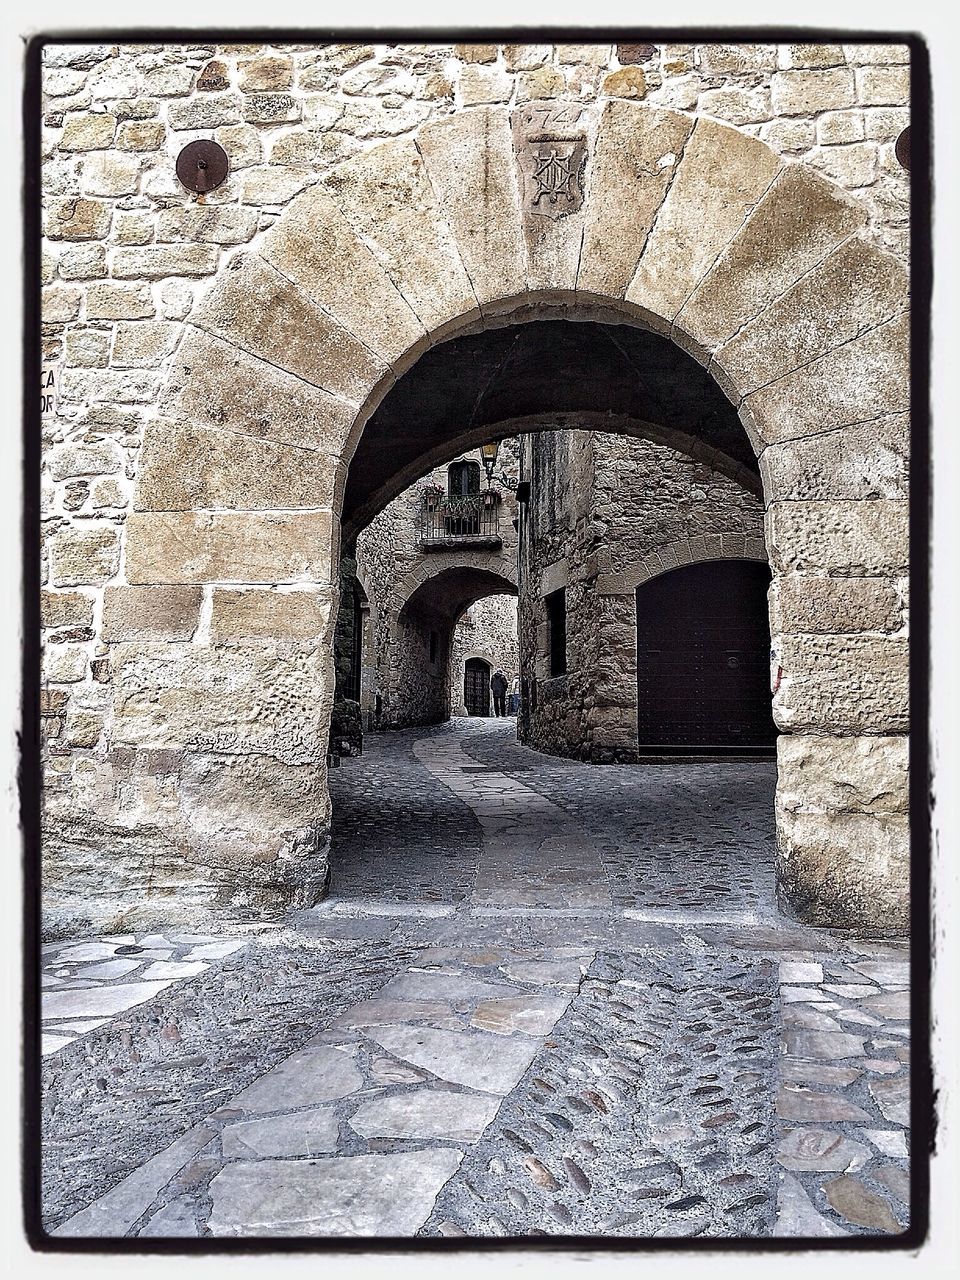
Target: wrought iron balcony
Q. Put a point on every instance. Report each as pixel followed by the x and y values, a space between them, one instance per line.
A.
pixel 471 520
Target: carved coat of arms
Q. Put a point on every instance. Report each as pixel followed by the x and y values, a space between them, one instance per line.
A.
pixel 551 152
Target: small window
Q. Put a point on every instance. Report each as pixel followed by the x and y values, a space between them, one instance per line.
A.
pixel 463 479
pixel 434 645
pixel 556 603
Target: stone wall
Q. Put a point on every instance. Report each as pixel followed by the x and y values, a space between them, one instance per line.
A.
pixel 605 513
pixel 206 371
pixel 487 630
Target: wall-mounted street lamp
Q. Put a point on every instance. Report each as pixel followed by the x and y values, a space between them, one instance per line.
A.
pixel 488 456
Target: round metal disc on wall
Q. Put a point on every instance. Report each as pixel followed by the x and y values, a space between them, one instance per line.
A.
pixel 902 148
pixel 202 165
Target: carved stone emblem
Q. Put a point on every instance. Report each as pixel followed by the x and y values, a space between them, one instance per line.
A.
pixel 551 152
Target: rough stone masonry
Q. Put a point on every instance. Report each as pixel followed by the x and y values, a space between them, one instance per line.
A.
pixel 212 377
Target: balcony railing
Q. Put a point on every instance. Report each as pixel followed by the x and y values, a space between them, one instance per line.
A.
pixel 452 522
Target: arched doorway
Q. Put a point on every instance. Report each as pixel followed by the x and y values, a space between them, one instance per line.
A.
pixel 688 229
pixel 476 687
pixel 703 643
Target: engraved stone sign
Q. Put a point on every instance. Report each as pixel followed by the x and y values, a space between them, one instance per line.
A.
pixel 551 151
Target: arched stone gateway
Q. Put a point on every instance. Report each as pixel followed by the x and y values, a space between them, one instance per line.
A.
pixel 679 225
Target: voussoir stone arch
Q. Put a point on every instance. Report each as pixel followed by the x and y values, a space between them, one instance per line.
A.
pixel 755 266
pixel 499 568
pixel 731 545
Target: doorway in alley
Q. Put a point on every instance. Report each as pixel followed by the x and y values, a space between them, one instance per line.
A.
pixel 476 687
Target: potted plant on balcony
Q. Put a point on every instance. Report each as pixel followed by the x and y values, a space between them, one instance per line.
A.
pixel 491 497
pixel 433 495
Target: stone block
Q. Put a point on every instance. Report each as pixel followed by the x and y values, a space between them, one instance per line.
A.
pixel 273 184
pixel 89 131
pixel 856 288
pixel 85 261
pixel 97 459
pixel 635 157
pixel 150 613
pixel 475 52
pixel 721 177
pixel 77 219
pixel 133 227
pixel 257 308
pixel 140 135
pixel 216 384
pixel 63 663
pixel 869 460
pixel 208 224
pixel 386 196
pixel 540 84
pixel 241 547
pixel 295 615
pixel 107 493
pixel 524 57
pixel 205 113
pixel 185 467
pixel 883 86
pixel 82 729
pixel 801 603
pixel 737 59
pixel 110 301
pixel 796 224
pixel 265 75
pixel 835 127
pixel 111 173
pixel 842 538
pixel 852 166
pixel 846 684
pixel 235 700
pixel 627 82
pixel 806 93
pixel 169 81
pixel 314 246
pixel 469 160
pixel 241 143
pixel 59 304
pixel 737 105
pixel 842 775
pixel 144 343
pixel 271 108
pixel 114 385
pixel 84 555
pixel 816 55
pixel 480 85
pixel 65 609
pixel 863 379
pixel 845 870
pixel 157 261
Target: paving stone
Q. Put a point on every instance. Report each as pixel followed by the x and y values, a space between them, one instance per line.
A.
pixel 800 971
pixel 533 1015
pixel 389 1071
pixel 892 1096
pixel 891 1142
pixel 52 1043
pixel 550 973
pixel 303 1133
pixel 211 949
pixel 377 1012
pixel 460 991
pixel 893 971
pixel 856 1203
pixel 88 951
pixel 821 1149
pixel 896 1179
pixel 823 1044
pixel 174 969
pixel 477 1060
pixel 109 969
pixel 95 1000
pixel 797 1216
pixel 312 1075
pixel 895 1004
pixel 427 1113
pixel 376 1195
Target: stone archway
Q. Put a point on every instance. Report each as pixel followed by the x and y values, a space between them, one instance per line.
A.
pixel 686 226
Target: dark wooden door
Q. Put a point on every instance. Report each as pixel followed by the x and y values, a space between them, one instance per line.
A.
pixel 476 687
pixel 703 660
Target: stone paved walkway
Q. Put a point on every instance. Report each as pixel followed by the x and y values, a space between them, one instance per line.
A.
pixel 529 1007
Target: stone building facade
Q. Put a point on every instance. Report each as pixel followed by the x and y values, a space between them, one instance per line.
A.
pixel 607 513
pixel 487 632
pixel 419 566
pixel 223 375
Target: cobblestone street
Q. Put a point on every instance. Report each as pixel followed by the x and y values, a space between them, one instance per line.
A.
pixel 543 998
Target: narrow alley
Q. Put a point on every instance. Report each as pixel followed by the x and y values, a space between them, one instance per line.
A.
pixel 541 998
